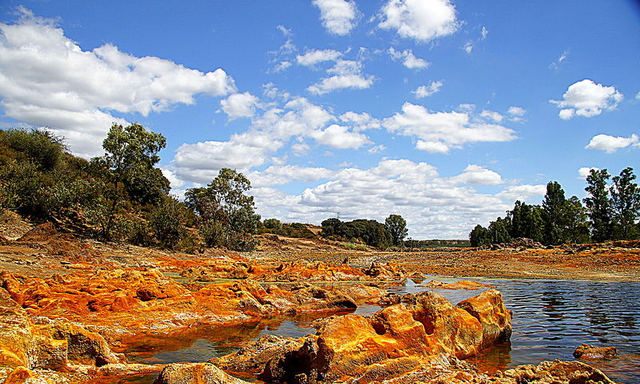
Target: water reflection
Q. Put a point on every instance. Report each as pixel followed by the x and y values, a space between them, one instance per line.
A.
pixel 550 320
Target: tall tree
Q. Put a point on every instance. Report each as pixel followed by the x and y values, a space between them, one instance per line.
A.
pixel 625 204
pixel 226 212
pixel 526 221
pixel 599 205
pixel 130 156
pixel 479 236
pixel 397 227
pixel 574 222
pixel 499 231
pixel 552 208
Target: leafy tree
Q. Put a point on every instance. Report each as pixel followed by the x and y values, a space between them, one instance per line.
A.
pixel 479 236
pixel 499 231
pixel 625 204
pixel 165 223
pixel 526 221
pixel 273 224
pixel 331 227
pixel 131 153
pixel 598 205
pixel 552 208
pixel 226 212
pixel 396 225
pixel 574 221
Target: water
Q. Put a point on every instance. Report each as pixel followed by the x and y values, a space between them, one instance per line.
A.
pixel 550 319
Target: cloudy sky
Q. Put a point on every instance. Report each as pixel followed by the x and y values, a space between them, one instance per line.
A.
pixel 444 112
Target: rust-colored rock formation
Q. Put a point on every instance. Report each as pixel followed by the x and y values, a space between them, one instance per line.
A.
pixel 394 341
pixel 591 352
pixel 195 373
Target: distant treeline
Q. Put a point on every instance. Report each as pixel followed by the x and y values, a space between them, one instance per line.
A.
pixel 609 212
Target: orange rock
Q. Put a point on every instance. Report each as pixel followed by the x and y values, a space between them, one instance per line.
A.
pixel 196 373
pixel 489 309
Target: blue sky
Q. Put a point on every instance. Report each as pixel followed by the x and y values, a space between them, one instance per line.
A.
pixel 445 112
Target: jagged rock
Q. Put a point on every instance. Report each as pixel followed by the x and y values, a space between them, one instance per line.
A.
pixel 255 355
pixel 557 372
pixel 590 352
pixel 195 373
pixel 489 309
pixel 394 341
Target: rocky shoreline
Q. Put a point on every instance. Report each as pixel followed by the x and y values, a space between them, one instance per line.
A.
pixel 70 309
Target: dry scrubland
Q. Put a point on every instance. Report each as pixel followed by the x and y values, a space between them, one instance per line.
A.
pixel 71 307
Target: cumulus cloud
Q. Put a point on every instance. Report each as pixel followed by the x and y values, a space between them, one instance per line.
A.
pixel 74 92
pixel 409 60
pixel 522 192
pixel 422 20
pixel 339 17
pixel 434 206
pixel 427 90
pixel 440 132
pixel 478 175
pixel 284 174
pixel 239 105
pixel 313 57
pixel 516 111
pixel 339 137
pixel 611 144
pixel 347 74
pixel 583 172
pixel 492 115
pixel 586 98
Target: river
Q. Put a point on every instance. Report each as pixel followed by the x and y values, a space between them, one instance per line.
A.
pixel 550 319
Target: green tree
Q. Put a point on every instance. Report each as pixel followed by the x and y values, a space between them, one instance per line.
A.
pixel 598 205
pixel 499 231
pixel 226 212
pixel 552 208
pixel 526 221
pixel 625 204
pixel 396 225
pixel 479 236
pixel 166 223
pixel 575 227
pixel 130 156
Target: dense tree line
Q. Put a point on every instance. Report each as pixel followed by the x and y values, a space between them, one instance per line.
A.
pixel 610 212
pixel 122 195
pixel 370 232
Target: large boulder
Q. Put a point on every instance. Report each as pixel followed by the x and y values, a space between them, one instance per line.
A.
pixel 591 352
pixel 254 355
pixel 195 373
pixel 489 309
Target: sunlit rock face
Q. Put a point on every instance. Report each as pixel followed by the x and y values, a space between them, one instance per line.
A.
pixel 426 329
pixel 195 373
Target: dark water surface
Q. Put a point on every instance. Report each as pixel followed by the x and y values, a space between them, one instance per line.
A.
pixel 550 319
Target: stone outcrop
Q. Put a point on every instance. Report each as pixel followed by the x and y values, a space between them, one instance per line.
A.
pixel 195 373
pixel 591 352
pixel 394 341
pixel 255 355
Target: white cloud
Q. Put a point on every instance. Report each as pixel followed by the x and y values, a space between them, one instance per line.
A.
pixel 468 47
pixel 478 175
pixel 339 17
pixel 583 172
pixel 422 20
pixel 611 144
pixel 522 192
pixel 336 136
pixel 638 96
pixel 311 58
pixel 347 75
pixel 492 115
pixel 434 206
pixel 377 149
pixel 586 98
pixel 239 105
pixel 284 174
pixel 427 90
pixel 441 131
pixel 74 92
pixel 360 121
pixel 516 111
pixel 561 59
pixel 282 66
pixel 409 60
pixel 484 33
